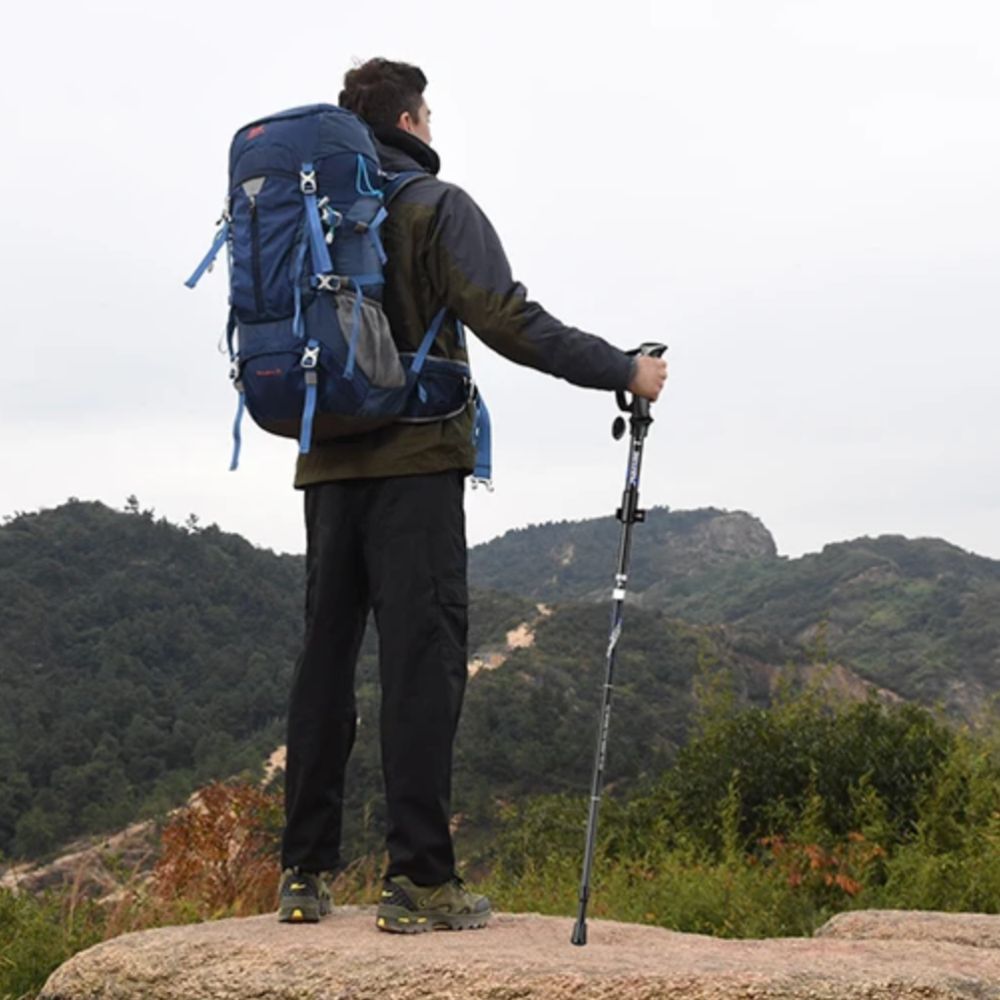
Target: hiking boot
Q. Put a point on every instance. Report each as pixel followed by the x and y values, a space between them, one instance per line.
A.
pixel 303 897
pixel 407 908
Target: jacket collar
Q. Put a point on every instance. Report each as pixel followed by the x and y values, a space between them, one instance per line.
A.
pixel 399 151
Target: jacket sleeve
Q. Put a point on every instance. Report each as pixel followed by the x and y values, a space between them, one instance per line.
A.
pixel 471 275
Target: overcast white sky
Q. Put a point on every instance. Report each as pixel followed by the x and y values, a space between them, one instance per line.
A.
pixel 802 198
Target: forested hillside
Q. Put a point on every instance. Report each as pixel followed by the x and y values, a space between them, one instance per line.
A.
pixel 140 659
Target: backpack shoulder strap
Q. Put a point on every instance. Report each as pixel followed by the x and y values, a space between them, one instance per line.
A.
pixel 396 182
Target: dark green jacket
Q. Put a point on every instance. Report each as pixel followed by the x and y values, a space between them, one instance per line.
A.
pixel 443 251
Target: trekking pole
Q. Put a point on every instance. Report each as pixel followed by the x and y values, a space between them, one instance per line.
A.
pixel 629 514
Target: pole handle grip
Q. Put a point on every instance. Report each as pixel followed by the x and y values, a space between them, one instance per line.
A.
pixel 652 349
pixel 637 405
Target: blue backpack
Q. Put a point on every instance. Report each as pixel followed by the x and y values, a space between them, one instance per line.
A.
pixel 311 352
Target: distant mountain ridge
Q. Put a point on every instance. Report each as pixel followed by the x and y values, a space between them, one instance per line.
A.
pixel 568 560
pixel 921 617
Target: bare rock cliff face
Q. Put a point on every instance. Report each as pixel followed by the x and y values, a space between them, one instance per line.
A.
pixel 733 534
pixel 875 956
pixel 720 538
pixel 723 539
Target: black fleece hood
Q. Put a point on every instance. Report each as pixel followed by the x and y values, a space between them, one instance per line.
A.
pixel 408 144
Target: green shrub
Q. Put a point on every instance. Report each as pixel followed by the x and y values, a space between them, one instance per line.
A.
pixel 39 934
pixel 772 821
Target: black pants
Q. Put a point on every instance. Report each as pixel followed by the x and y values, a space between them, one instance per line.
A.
pixel 395 545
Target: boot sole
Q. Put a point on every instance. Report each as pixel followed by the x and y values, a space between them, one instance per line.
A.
pixel 302 912
pixel 399 920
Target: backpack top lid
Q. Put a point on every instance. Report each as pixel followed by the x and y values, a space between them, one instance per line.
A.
pixel 284 141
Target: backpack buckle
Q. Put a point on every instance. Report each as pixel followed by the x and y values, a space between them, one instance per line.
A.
pixel 327 283
pixel 307 181
pixel 328 213
pixel 310 357
pixel 330 217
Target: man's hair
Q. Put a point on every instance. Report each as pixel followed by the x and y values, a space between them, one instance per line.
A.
pixel 380 91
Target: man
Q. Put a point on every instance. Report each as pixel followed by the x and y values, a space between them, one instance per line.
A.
pixel 386 531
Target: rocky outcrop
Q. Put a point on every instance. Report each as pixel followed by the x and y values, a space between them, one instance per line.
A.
pixel 728 536
pixel 716 540
pixel 575 560
pixel 522 637
pixel 840 680
pixel 96 868
pixel 526 956
pixel 977 930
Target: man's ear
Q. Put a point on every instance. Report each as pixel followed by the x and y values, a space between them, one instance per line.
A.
pixel 405 122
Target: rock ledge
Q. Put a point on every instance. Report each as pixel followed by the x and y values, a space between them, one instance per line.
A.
pixel 870 955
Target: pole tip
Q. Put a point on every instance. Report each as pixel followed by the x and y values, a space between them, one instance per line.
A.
pixel 579 933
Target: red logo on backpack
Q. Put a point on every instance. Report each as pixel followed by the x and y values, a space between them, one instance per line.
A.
pixel 255 131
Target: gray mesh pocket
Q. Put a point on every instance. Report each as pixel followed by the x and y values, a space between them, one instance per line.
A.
pixel 376 353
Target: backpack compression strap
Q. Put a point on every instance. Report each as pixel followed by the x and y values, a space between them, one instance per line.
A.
pixel 481 438
pixel 213 251
pixel 317 241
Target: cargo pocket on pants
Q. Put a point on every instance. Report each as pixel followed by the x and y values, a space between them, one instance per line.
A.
pixel 452 596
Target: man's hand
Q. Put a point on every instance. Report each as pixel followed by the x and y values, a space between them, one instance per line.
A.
pixel 648 377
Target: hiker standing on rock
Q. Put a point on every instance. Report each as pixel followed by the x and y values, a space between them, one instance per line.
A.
pixel 386 531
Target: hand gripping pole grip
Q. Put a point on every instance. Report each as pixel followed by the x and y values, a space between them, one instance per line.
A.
pixel 637 405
